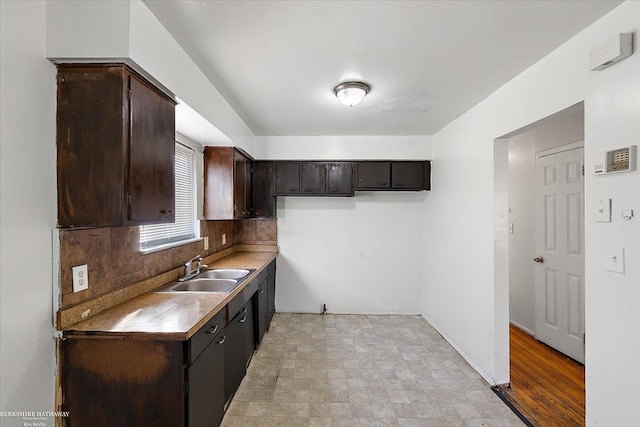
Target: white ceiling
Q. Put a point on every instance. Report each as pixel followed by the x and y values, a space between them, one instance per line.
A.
pixel 276 62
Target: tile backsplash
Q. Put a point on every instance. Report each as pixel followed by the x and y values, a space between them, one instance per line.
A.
pixel 114 260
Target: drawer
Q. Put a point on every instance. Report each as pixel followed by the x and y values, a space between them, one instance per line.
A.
pixel 201 339
pixel 238 302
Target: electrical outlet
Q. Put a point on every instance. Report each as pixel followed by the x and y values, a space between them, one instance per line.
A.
pixel 224 239
pixel 80 278
pixel 361 255
pixel 206 243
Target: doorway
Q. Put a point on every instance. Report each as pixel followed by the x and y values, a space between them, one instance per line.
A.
pixel 546 298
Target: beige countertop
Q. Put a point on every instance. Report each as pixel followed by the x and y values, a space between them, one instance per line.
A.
pixel 168 315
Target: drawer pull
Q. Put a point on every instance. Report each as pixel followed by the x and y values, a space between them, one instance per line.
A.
pixel 334 190
pixel 383 183
pixel 244 310
pixel 164 211
pixel 222 340
pixel 244 319
pixel 213 330
pixel 291 190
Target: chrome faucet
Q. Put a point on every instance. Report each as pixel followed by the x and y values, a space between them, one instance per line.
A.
pixel 189 271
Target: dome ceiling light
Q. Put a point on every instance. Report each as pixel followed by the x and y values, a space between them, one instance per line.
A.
pixel 351 93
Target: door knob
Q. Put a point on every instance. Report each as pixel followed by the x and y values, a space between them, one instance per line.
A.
pixel 539 259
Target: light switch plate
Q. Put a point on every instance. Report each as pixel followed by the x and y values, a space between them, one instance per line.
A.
pixel 206 243
pixel 224 239
pixel 603 211
pixel 80 278
pixel 616 259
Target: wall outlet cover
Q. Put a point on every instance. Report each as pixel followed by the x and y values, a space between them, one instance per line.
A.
pixel 224 239
pixel 603 211
pixel 615 262
pixel 80 278
pixel 206 243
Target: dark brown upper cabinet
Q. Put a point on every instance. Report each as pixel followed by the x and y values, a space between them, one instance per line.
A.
pixel 287 178
pixel 227 183
pixel 340 178
pixel 115 139
pixel 373 175
pixel 407 175
pixel 263 189
pixel 394 175
pixel 313 178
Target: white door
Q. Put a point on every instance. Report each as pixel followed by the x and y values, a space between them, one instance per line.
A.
pixel 559 243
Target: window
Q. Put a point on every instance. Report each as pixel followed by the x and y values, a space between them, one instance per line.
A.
pixel 183 229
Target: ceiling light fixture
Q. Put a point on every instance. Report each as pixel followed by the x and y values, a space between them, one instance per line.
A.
pixel 351 93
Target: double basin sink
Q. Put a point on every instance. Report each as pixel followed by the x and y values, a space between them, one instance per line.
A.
pixel 215 280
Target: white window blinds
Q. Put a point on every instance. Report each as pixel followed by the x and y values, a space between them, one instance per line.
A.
pixel 183 228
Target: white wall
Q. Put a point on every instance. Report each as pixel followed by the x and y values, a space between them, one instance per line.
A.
pixel 28 211
pixel 78 31
pixel 343 147
pixel 612 118
pixel 321 239
pixel 468 305
pixel 551 132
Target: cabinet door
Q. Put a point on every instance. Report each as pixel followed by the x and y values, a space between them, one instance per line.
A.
pixel 151 155
pixel 314 178
pixel 238 349
pixel 340 177
pixel 240 184
pixel 205 394
pixel 374 175
pixel 287 178
pixel 407 175
pixel 271 291
pixel 262 310
pixel 263 191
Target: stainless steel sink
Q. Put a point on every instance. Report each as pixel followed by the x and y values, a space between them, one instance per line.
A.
pixel 215 280
pixel 224 273
pixel 207 285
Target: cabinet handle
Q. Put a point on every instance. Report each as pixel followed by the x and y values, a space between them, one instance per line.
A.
pixel 244 310
pixel 213 330
pixel 261 291
pixel 308 190
pixel 400 184
pixel 222 340
pixel 291 190
pixel 334 190
pixel 244 319
pixel 164 211
pixel 383 183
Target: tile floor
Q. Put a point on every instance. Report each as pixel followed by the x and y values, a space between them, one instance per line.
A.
pixel 355 370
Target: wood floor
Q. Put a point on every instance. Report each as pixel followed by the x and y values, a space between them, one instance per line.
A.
pixel 547 387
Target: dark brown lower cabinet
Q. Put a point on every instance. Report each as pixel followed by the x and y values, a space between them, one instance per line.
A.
pixel 238 349
pixel 205 392
pixel 262 310
pixel 133 382
pixel 271 291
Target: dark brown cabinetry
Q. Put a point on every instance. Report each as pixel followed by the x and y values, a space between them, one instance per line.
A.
pixel 239 348
pixel 271 291
pixel 115 139
pixel 393 175
pixel 263 197
pixel 287 178
pixel 146 382
pixel 340 177
pixel 314 178
pixel 373 175
pixel 227 183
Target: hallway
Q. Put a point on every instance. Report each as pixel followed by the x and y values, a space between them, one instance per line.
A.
pixel 547 387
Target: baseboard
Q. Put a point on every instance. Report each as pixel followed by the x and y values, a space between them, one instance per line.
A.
pixel 483 374
pixel 522 328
